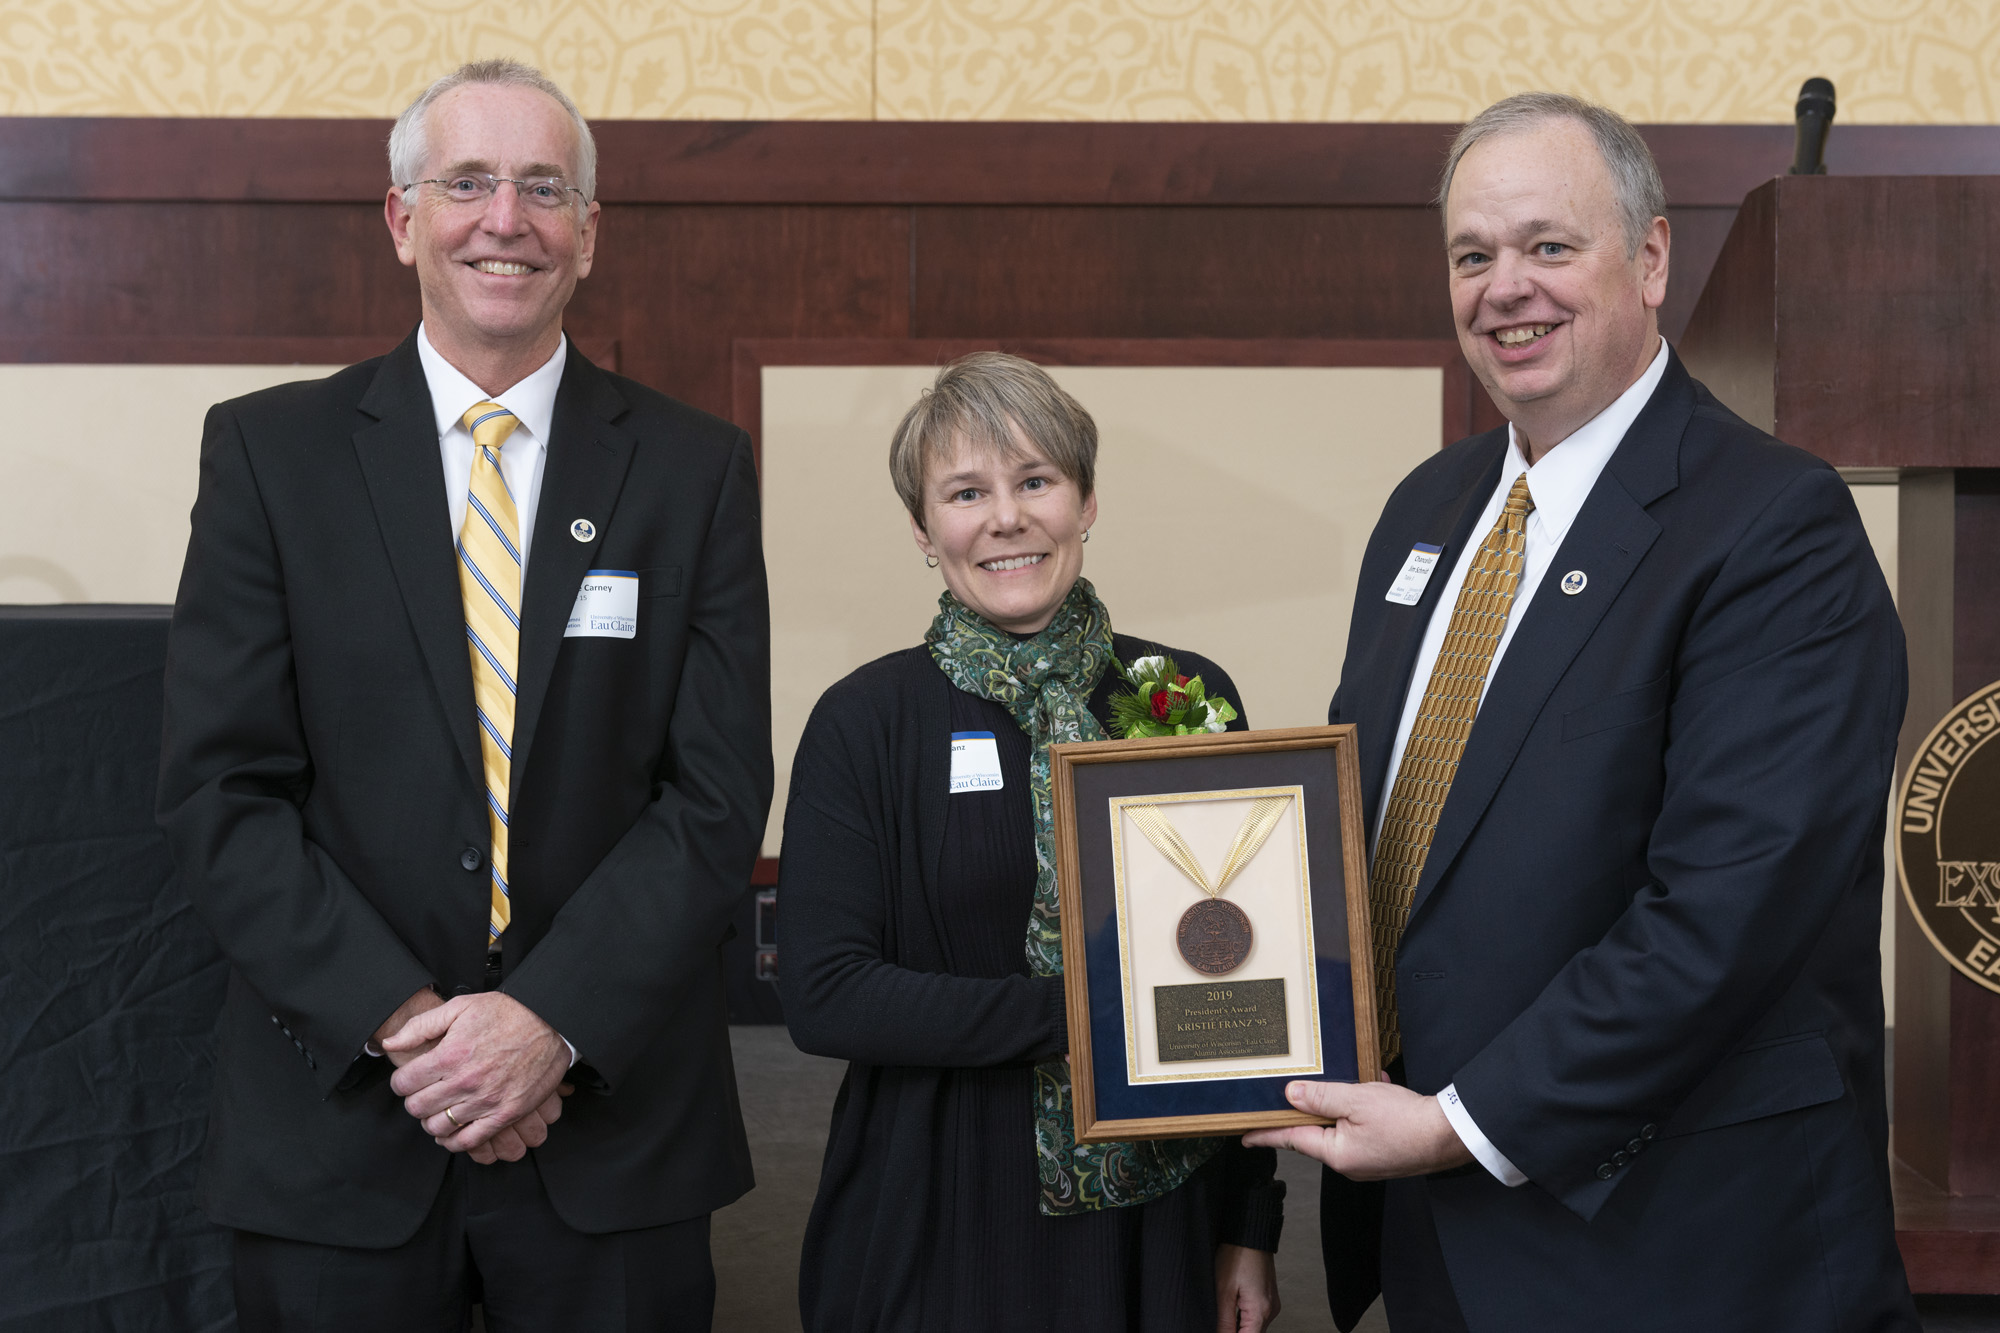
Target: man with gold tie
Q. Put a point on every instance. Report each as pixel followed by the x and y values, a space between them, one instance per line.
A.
pixel 467 756
pixel 1627 681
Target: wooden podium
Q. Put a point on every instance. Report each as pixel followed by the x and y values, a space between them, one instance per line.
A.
pixel 1859 317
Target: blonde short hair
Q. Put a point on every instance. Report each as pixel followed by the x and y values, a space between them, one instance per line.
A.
pixel 985 398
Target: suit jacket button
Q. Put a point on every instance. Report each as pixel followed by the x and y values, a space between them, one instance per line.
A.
pixel 1604 1171
pixel 1649 1132
pixel 1635 1145
pixel 470 858
pixel 1619 1158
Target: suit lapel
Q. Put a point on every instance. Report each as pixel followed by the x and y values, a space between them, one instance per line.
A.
pixel 1449 522
pixel 587 461
pixel 405 477
pixel 1610 536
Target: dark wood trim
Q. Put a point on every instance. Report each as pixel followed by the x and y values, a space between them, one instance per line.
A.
pixel 208 350
pixel 916 162
pixel 753 354
pixel 228 350
pixel 1950 1243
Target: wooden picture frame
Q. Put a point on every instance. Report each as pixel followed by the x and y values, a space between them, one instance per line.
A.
pixel 1131 1078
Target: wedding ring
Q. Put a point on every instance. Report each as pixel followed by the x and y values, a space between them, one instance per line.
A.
pixel 449 1116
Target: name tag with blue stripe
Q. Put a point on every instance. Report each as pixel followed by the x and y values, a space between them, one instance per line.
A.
pixel 607 606
pixel 1415 575
pixel 975 762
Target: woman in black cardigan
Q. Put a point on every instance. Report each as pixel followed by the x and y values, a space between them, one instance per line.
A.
pixel 921 941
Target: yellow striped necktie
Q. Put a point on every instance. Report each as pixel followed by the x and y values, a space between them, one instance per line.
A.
pixel 489 583
pixel 1437 739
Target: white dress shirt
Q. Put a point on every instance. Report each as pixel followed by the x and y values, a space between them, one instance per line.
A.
pixel 523 456
pixel 1559 483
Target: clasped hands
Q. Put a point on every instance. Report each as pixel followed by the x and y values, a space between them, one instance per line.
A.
pixel 487 1059
pixel 1380 1131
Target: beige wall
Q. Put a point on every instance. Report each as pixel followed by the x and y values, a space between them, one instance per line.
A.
pixel 1262 547
pixel 1894 61
pixel 1877 503
pixel 94 506
pixel 1233 507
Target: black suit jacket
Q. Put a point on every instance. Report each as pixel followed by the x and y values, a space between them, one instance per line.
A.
pixel 1644 946
pixel 321 790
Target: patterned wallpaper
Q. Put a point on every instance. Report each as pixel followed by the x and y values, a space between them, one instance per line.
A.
pixel 1894 61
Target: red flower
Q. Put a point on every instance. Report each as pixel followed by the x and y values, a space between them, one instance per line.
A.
pixel 1161 702
pixel 1180 680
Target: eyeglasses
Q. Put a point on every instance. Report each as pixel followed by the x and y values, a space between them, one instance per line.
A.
pixel 476 187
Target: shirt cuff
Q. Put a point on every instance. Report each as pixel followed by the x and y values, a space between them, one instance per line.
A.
pixel 1477 1143
pixel 372 1049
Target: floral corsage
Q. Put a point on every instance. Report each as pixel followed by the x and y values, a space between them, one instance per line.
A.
pixel 1165 703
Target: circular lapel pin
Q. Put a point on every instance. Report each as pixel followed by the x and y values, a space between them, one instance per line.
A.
pixel 584 530
pixel 1574 582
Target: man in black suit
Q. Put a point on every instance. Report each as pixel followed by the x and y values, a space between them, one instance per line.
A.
pixel 1627 681
pixel 467 755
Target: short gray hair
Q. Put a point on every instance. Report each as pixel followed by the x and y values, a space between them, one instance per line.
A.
pixel 409 142
pixel 985 397
pixel 1635 177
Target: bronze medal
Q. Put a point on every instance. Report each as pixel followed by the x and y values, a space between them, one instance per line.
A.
pixel 1214 937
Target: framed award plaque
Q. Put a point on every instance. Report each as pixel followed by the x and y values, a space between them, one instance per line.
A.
pixel 1215 927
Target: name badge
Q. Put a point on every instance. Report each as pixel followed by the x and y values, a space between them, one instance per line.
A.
pixel 975 762
pixel 607 606
pixel 1411 580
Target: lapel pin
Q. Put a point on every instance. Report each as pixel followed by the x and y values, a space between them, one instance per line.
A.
pixel 584 530
pixel 1574 582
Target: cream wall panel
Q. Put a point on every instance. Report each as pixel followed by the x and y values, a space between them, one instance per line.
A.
pixel 1233 508
pixel 101 465
pixel 1894 61
pixel 1877 504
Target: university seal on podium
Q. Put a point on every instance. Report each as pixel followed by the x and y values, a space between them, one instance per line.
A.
pixel 1948 836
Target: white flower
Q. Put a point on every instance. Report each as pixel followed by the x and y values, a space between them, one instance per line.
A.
pixel 1215 722
pixel 1147 668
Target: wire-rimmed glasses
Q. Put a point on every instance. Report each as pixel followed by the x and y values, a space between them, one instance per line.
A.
pixel 476 187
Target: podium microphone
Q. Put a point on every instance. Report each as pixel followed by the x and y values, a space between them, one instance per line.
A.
pixel 1815 115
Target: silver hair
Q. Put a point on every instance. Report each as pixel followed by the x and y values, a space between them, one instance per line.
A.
pixel 409 142
pixel 1635 177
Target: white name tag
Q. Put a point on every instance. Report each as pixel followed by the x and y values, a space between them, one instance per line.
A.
pixel 607 606
pixel 1408 589
pixel 975 762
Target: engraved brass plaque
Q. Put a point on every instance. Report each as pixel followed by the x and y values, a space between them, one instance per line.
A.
pixel 1219 1020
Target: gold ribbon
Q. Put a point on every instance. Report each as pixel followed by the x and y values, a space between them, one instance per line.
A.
pixel 1250 839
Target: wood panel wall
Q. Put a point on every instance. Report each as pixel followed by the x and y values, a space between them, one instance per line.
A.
pixel 171 240
pixel 262 241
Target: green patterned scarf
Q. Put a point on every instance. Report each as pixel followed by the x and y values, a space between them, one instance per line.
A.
pixel 1045 682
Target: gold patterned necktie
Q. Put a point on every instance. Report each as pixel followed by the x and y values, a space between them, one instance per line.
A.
pixel 1437 739
pixel 489 583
